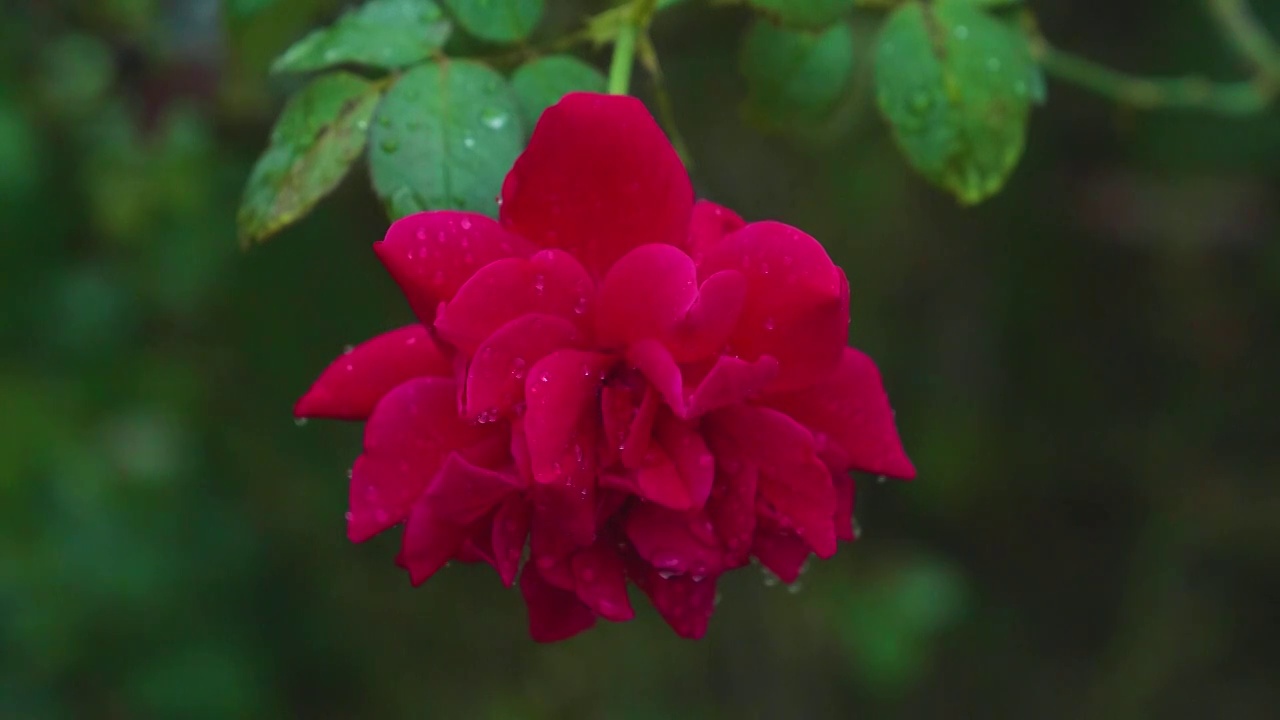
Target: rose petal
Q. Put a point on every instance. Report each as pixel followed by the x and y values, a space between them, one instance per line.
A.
pixel 463 492
pixel 792 477
pixel 354 383
pixel 783 553
pixel 598 178
pixel 600 577
pixel 730 380
pixel 710 320
pixel 708 224
pixel 495 377
pixel 851 408
pixel 406 440
pixel 686 448
pixel 685 603
pixel 554 614
pixel 732 507
pixel 509 531
pixel 691 392
pixel 644 295
pixel 429 542
pixel 797 304
pixel 551 282
pixel 674 542
pixel 431 254
pixel 551 548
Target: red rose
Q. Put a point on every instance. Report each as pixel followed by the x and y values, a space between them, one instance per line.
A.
pixel 639 386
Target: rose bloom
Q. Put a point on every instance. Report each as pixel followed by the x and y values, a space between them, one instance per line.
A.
pixel 637 386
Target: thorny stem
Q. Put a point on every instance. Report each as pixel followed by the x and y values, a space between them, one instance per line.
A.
pixel 1239 98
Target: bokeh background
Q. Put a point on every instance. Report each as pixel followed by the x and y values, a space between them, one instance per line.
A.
pixel 1084 370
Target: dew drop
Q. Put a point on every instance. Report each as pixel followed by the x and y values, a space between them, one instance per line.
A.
pixel 961 32
pixel 300 421
pixel 664 560
pixel 493 118
pixel 993 64
pixel 465 224
pixel 390 145
pixel 468 142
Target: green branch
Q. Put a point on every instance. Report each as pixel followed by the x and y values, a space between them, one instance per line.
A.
pixel 1238 98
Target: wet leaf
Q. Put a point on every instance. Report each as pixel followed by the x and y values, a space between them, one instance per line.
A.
pixel 444 138
pixel 385 34
pixel 499 21
pixel 318 136
pixel 541 83
pixel 794 75
pixel 957 86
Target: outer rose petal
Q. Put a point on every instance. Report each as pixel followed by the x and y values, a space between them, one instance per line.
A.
pixel 686 604
pixel 783 553
pixel 708 225
pixel 600 577
pixel 463 493
pixel 510 530
pixel 354 383
pixel 429 541
pixel 554 614
pixel 674 542
pixel 551 282
pixel 431 254
pixel 683 444
pixel 406 441
pixel 851 408
pixel 797 306
pixel 792 477
pixel 732 507
pixel 495 377
pixel 597 179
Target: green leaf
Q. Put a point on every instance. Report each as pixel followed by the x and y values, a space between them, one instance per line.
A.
pixel 813 14
pixel 793 75
pixel 541 83
pixel 957 86
pixel 386 34
pixel 318 136
pixel 499 21
pixel 444 138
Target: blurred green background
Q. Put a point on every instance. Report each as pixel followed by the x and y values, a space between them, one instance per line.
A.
pixel 1083 370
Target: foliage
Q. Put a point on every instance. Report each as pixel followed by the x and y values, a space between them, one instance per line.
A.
pixel 955 80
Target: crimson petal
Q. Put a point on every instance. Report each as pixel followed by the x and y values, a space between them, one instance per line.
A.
pixel 708 224
pixel 783 553
pixel 797 304
pixel 792 477
pixel 463 492
pixel 674 542
pixel 554 614
pixel 845 492
pixel 495 377
pixel 644 295
pixel 354 383
pixel 732 506
pixel 431 254
pixel 429 541
pixel 685 603
pixel 550 282
pixel 406 440
pixel 600 578
pixel 598 178
pixel 510 530
pixel 851 408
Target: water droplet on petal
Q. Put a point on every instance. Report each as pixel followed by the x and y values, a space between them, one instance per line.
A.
pixel 299 421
